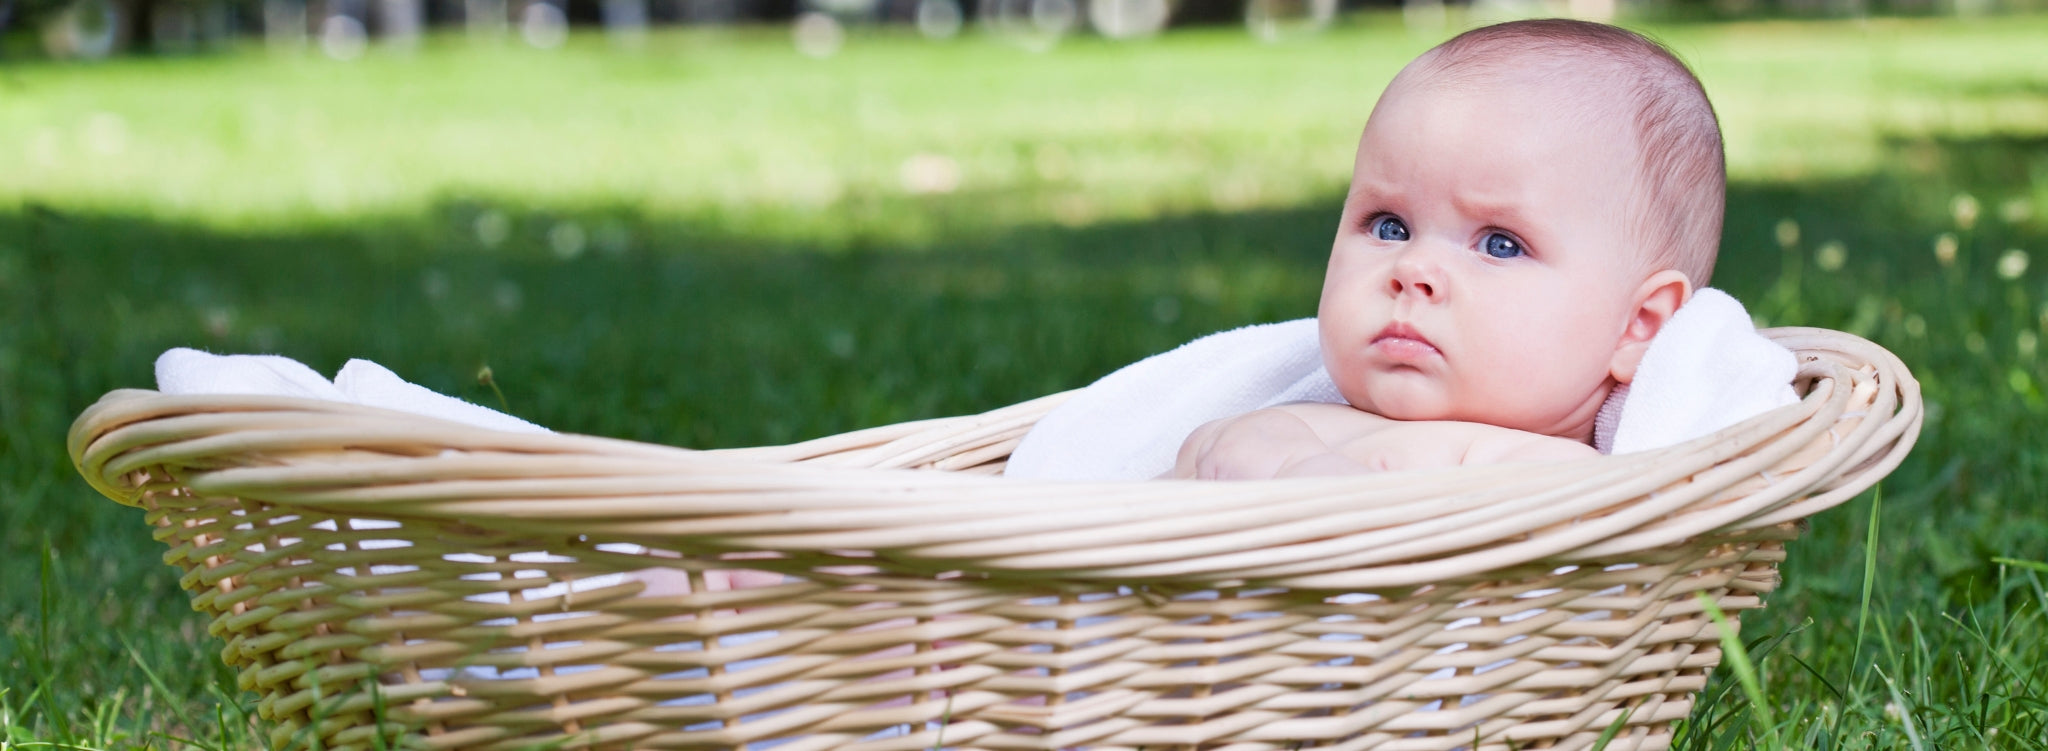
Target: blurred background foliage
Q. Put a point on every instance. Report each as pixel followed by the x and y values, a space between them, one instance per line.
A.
pixel 716 234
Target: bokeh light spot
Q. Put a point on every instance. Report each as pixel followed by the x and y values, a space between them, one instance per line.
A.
pixel 1945 248
pixel 1831 256
pixel 930 173
pixel 1787 233
pixel 543 25
pixel 343 38
pixel 1274 20
pixel 2012 264
pixel 493 228
pixel 939 19
pixel 507 296
pixel 1964 208
pixel 840 343
pixel 567 240
pixel 1127 19
pixel 817 35
pixel 2016 211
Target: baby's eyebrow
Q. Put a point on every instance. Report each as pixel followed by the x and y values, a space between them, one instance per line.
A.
pixel 1506 212
pixel 1368 188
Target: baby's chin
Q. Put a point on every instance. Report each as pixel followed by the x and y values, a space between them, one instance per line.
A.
pixel 1401 402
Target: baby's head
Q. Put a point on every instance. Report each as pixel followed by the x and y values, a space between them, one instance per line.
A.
pixel 1529 204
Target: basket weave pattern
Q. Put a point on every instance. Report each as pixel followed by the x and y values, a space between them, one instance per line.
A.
pixel 383 578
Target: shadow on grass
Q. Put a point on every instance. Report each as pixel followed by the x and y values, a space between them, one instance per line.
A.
pixel 670 330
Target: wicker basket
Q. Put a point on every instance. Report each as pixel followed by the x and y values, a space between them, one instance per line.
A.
pixel 382 578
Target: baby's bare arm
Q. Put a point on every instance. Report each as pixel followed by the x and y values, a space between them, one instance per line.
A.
pixel 1429 444
pixel 1300 440
pixel 1251 446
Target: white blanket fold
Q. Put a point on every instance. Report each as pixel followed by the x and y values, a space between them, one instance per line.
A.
pixel 190 371
pixel 1707 369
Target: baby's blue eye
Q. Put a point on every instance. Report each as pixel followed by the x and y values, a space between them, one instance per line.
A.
pixel 1500 246
pixel 1390 229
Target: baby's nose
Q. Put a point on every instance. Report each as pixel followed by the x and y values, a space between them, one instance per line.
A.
pixel 1414 276
pixel 1418 286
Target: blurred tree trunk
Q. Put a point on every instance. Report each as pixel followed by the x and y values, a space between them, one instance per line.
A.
pixel 141 18
pixel 1209 12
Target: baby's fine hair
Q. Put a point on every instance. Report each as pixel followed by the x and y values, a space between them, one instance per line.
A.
pixel 1682 170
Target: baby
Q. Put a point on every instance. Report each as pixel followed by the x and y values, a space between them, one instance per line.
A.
pixel 1529 204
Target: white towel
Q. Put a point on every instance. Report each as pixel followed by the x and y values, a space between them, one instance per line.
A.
pixel 190 371
pixel 1707 369
pixel 1130 424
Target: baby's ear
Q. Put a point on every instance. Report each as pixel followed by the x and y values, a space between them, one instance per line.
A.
pixel 1655 301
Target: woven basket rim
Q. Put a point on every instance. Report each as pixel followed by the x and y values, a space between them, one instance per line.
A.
pixel 1859 416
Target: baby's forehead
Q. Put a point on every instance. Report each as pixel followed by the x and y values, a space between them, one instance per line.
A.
pixel 1583 79
pixel 1579 98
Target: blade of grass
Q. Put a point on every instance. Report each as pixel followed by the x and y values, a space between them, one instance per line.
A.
pixel 177 707
pixel 2017 563
pixel 1905 714
pixel 1606 736
pixel 1737 657
pixel 1869 575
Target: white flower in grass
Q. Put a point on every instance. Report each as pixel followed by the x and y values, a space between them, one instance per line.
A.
pixel 1964 208
pixel 2012 264
pixel 2016 211
pixel 1788 233
pixel 567 240
pixel 1945 248
pixel 493 228
pixel 1891 711
pixel 219 321
pixel 1831 256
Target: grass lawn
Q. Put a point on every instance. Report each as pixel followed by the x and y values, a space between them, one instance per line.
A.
pixel 710 240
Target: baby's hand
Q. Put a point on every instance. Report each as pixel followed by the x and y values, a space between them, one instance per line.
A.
pixel 1252 446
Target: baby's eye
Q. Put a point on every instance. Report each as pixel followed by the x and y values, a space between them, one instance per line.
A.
pixel 1389 228
pixel 1500 246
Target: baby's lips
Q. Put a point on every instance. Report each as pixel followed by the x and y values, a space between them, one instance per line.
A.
pixel 1403 349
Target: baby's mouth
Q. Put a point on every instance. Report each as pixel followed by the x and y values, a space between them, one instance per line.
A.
pixel 1401 343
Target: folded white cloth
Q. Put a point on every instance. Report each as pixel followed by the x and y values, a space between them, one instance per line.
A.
pixel 190 371
pixel 1129 425
pixel 1707 369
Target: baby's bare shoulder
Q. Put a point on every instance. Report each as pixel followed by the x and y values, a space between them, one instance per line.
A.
pixel 1337 423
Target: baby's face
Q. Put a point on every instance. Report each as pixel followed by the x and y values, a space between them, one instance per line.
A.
pixel 1482 271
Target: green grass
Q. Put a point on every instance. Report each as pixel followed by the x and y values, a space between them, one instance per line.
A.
pixel 709 241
